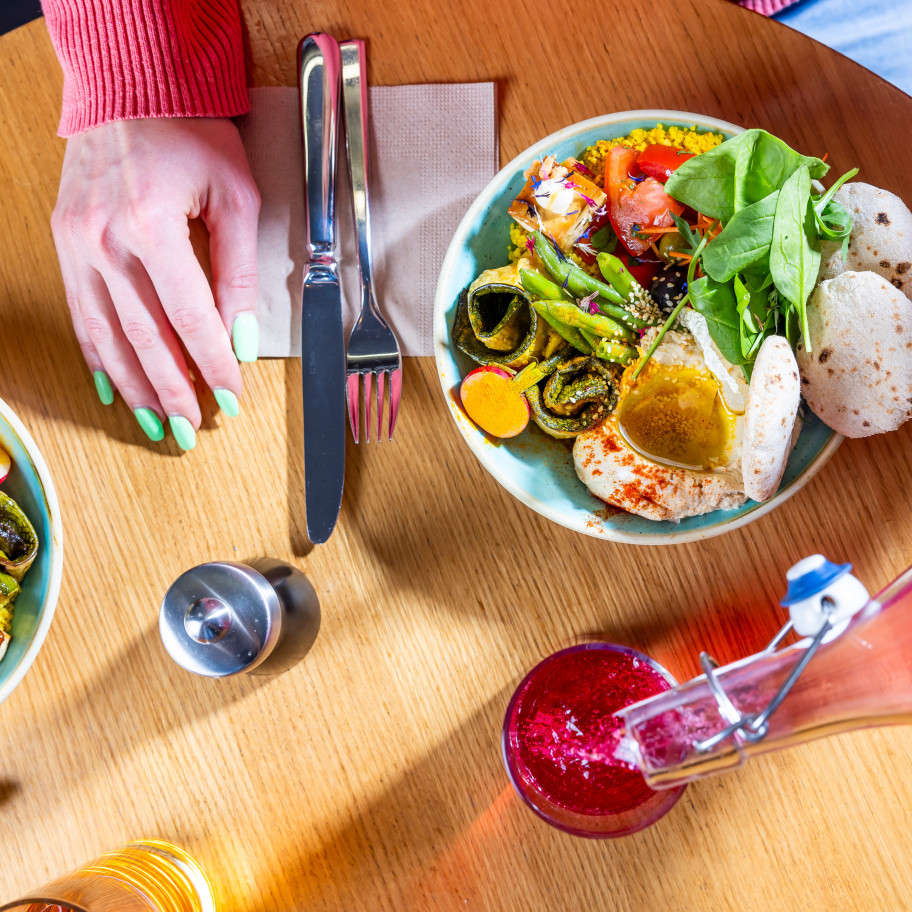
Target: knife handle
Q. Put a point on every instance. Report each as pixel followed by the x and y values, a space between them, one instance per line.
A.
pixel 319 82
pixel 355 114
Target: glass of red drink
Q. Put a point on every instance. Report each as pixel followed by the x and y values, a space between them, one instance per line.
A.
pixel 560 735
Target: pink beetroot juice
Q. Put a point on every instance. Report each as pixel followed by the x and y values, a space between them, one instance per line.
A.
pixel 560 735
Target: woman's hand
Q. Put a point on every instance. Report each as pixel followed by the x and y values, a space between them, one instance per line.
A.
pixel 133 283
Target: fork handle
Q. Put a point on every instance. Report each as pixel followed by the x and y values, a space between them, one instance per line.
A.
pixel 354 98
pixel 319 70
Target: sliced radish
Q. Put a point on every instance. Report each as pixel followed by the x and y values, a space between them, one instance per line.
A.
pixel 494 402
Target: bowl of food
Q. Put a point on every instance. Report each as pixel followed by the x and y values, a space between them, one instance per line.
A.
pixel 31 550
pixel 617 319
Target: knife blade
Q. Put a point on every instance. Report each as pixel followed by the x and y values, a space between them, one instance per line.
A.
pixel 322 342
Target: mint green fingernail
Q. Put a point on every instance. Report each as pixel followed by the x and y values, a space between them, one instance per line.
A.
pixel 103 387
pixel 150 424
pixel 227 402
pixel 245 336
pixel 183 432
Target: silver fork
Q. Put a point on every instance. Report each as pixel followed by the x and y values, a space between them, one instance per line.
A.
pixel 373 350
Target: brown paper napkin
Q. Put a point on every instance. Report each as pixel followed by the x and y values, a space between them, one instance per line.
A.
pixel 434 149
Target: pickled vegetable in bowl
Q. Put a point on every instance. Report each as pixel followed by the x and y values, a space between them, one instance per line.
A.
pixel 33 552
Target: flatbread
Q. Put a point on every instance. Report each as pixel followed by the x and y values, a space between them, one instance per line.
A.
pixel 769 419
pixel 881 239
pixel 858 377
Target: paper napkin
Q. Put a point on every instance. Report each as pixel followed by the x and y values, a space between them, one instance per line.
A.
pixel 434 148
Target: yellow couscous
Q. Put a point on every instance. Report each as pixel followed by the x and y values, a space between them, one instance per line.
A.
pixel 687 138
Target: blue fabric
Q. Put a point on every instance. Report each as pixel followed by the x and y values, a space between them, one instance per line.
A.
pixel 875 33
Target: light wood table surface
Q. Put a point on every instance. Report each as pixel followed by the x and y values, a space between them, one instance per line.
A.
pixel 369 777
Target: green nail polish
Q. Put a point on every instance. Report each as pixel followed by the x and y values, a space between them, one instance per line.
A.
pixel 150 424
pixel 103 387
pixel 245 336
pixel 183 432
pixel 227 402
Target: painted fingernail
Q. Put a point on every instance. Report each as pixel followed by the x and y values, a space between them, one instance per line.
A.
pixel 227 402
pixel 245 336
pixel 103 387
pixel 183 432
pixel 150 423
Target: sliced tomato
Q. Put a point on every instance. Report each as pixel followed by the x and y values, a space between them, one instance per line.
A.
pixel 634 205
pixel 661 162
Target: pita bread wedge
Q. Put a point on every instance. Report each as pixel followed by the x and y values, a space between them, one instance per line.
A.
pixel 858 378
pixel 881 239
pixel 769 419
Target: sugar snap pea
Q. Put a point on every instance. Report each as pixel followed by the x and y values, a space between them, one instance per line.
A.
pixel 614 351
pixel 598 324
pixel 537 285
pixel 617 275
pixel 580 283
pixel 568 333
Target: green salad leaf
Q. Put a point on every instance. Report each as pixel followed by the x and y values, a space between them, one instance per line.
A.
pixel 764 164
pixel 744 242
pixel 717 302
pixel 740 171
pixel 795 249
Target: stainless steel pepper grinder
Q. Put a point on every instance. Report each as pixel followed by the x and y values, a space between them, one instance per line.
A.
pixel 224 618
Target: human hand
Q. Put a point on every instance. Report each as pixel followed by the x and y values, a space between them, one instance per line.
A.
pixel 134 286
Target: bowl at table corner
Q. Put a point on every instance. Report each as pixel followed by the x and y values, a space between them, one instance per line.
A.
pixel 29 484
pixel 533 467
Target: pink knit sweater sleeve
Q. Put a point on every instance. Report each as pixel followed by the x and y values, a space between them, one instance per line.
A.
pixel 125 59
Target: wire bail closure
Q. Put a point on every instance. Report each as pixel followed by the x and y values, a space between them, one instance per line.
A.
pixel 821 597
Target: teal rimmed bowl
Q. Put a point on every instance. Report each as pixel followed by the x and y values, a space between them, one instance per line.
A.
pixel 29 484
pixel 533 467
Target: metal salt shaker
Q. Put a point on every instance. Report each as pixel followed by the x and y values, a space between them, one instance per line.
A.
pixel 224 618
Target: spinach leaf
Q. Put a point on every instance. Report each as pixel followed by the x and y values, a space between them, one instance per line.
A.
pixel 795 250
pixel 716 301
pixel 744 241
pixel 742 170
pixel 764 163
pixel 706 181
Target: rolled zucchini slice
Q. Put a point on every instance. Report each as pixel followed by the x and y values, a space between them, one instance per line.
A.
pixel 576 396
pixel 18 539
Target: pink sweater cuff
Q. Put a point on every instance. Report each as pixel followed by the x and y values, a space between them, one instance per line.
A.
pixel 767 7
pixel 124 59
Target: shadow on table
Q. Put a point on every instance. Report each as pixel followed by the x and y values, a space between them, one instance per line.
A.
pixel 449 833
pixel 175 698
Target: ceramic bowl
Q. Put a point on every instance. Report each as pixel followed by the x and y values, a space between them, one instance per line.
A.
pixel 29 484
pixel 533 467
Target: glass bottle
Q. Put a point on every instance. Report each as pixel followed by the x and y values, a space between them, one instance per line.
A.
pixel 858 675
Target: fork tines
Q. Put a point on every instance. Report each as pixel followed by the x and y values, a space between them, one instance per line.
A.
pixel 355 398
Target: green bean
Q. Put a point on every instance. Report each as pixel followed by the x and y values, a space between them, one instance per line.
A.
pixel 591 338
pixel 581 284
pixel 617 275
pixel 570 315
pixel 537 285
pixel 613 351
pixel 568 333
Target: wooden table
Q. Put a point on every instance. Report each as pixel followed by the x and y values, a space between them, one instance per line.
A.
pixel 369 777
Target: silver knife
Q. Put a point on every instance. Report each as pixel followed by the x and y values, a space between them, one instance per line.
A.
pixel 322 343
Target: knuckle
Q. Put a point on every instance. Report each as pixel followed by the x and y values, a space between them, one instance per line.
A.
pixel 187 321
pixel 109 241
pixel 144 222
pixel 243 196
pixel 141 335
pixel 98 329
pixel 241 279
